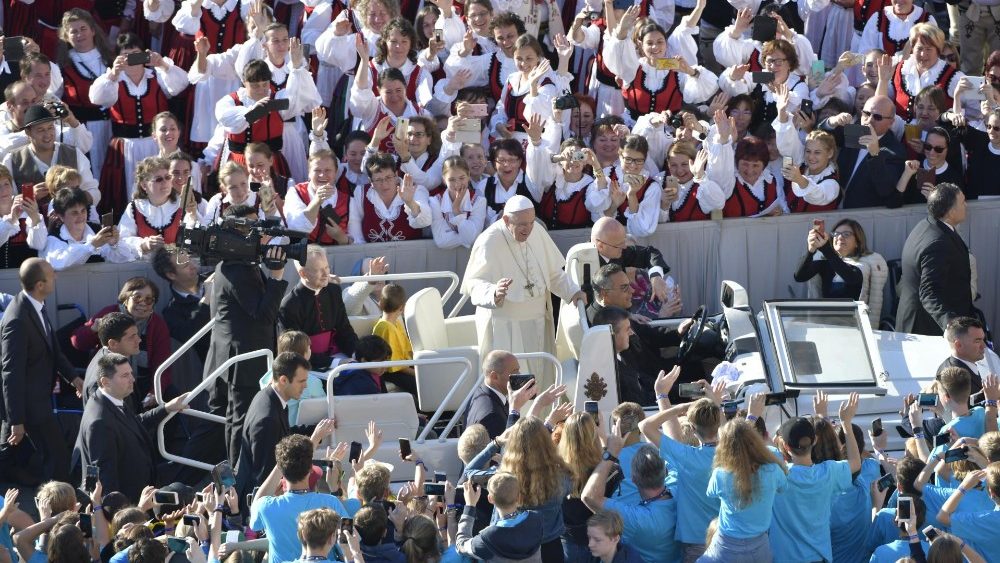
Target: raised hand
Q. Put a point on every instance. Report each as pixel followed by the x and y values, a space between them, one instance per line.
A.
pixel 535 128
pixel 743 20
pixel 627 22
pixel 319 121
pixel 407 189
pixel 295 50
pixel 665 380
pixel 739 72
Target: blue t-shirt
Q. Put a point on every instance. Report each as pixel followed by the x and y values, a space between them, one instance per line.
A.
pixel 649 527
pixel 278 516
pixel 981 530
pixel 695 509
pixel 975 500
pixel 628 492
pixel 753 519
pixel 893 551
pixel 800 530
pixel 6 537
pixel 883 529
pixel 852 515
pixel 972 425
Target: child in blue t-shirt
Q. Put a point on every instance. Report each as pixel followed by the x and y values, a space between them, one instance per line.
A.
pixel 979 529
pixel 907 531
pixel 318 531
pixel 800 530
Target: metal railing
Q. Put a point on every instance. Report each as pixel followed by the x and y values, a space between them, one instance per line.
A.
pixel 205 384
pixel 416 276
pixel 467 372
pixel 543 356
pixel 172 359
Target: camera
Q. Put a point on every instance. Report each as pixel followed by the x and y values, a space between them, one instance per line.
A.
pixel 566 101
pixel 57 108
pixel 239 239
pixel 575 156
pixel 676 121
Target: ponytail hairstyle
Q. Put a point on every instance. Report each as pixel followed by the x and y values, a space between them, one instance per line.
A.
pixel 420 539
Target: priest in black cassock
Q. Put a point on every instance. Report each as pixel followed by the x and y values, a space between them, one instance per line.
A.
pixel 315 307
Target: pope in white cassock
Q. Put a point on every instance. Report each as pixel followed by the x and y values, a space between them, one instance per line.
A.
pixel 512 269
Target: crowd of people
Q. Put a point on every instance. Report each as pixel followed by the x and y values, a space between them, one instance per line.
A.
pixel 481 124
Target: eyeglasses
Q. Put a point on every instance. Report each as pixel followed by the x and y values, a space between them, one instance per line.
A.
pixel 630 160
pixel 993 127
pixel 622 246
pixel 508 161
pixel 416 134
pixel 929 147
pixel 771 62
pixel 140 298
pixel 158 179
pixel 740 112
pixel 874 116
pixel 842 234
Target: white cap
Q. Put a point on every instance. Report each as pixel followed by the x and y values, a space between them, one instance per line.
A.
pixel 517 203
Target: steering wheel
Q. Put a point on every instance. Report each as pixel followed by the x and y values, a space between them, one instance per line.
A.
pixel 693 333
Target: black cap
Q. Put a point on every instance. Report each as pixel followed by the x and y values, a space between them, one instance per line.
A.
pixel 798 433
pixel 37 114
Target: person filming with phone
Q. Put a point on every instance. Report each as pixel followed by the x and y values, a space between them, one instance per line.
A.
pixel 833 257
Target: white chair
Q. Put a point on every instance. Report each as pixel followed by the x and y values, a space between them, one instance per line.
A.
pixel 579 255
pixel 363 325
pixel 434 336
pixel 595 375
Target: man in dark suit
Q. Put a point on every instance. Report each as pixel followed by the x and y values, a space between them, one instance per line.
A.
pixel 868 174
pixel 316 307
pixel 936 283
pixel 967 338
pixel 188 309
pixel 631 385
pixel 611 240
pixel 642 357
pixel 267 421
pixel 246 303
pixel 489 403
pixel 30 362
pixel 114 438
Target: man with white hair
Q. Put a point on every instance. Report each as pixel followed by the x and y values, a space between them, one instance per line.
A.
pixel 512 269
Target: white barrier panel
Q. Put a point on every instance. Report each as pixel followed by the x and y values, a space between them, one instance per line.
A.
pixel 760 254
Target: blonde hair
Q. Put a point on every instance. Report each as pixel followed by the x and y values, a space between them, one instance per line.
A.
pixel 579 448
pixel 57 497
pixel 990 444
pixel 705 416
pixel 58 176
pixel 505 488
pixel 364 6
pixel 316 526
pixel 472 441
pixel 5 174
pixel 929 33
pixel 742 452
pixel 825 139
pixel 229 169
pixel 372 481
pixel 532 457
pixel 608 521
pixel 294 341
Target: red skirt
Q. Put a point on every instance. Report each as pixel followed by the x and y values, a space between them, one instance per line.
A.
pixel 114 191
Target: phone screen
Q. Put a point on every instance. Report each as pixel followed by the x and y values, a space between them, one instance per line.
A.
pixel 141 58
pixel 440 477
pixel 774 399
pixel 177 545
pixel 404 448
pixel 519 380
pixel 28 191
pixel 877 427
pixel 223 476
pixel 108 220
pixel 687 390
pixel 904 508
pixel 254 186
pixel 191 519
pixel 436 489
pixel 92 475
pixel 165 497
pixel 928 399
pixel 957 454
pixel 885 482
pixel 355 454
pixel 86 525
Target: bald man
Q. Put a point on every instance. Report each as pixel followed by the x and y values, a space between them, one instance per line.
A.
pixel 868 174
pixel 609 237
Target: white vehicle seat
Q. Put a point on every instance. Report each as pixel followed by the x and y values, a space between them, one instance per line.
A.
pixel 596 378
pixel 434 336
pixel 579 255
pixel 363 325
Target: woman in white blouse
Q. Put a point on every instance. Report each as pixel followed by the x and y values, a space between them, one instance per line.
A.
pixel 154 216
pixel 458 213
pixel 73 242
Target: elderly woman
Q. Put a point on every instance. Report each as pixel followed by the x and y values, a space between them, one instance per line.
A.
pixel 924 67
pixel 137 298
pixel 780 58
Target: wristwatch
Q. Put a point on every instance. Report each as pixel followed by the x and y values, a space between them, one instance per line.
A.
pixel 608 457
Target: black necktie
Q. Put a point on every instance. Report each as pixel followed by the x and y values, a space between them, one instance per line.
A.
pixel 45 324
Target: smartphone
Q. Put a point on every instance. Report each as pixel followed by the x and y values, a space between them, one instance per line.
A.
pixel 469 130
pixel 13 48
pixel 440 476
pixel 402 127
pixel 974 93
pixel 730 408
pixel 480 477
pixel 816 70
pixel 177 545
pixel 787 162
pixel 355 454
pixel 200 496
pixel 91 476
pixel 806 107
pixel 942 440
pixel 775 399
pixel 404 448
pixel 223 476
pixel 956 454
pixel 232 536
pixel 877 427
pixel 191 519
pixel 438 35
pixel 928 399
pixel 279 104
pixel 762 77
pixel 165 497
pixel 435 489
pixel 255 186
pixel 853 133
pixel 328 212
pixel 690 390
pixel 819 225
pixel 476 110
pixel 666 64
pixel 28 191
pixel 592 408
pixel 346 527
pixel 885 482
pixel 904 508
pixel 140 58
pixel 931 533
pixel 764 28
pixel 925 177
pixel 519 380
pixel 108 220
pixel 86 525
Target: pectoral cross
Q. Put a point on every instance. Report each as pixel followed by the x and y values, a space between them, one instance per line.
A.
pixel 530 286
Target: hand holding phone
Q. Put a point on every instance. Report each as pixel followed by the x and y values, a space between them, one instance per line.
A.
pixel 404 448
pixel 355 453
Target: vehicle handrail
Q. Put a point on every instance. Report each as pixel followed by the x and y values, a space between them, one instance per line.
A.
pixel 205 384
pixel 157 377
pixel 546 357
pixel 467 371
pixel 414 276
pixel 458 306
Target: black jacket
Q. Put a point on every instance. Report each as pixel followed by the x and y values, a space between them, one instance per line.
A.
pixel 873 184
pixel 120 444
pixel 247 306
pixel 487 409
pixel 265 425
pixel 29 364
pixel 302 309
pixel 516 542
pixel 186 315
pixel 936 281
pixel 974 377
pixel 826 269
pixel 644 257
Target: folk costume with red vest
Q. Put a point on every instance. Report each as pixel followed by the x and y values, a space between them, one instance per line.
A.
pixel 133 107
pixel 78 77
pixel 451 230
pixel 300 197
pixel 143 219
pixel 695 202
pixel 516 101
pixel 600 83
pixel 370 109
pixel 641 223
pixel 890 31
pixel 798 198
pixel 865 9
pixel 219 203
pixel 21 240
pixel 269 129
pixel 747 200
pixel 371 220
pixel 419 88
pixel 565 206
pixel 907 82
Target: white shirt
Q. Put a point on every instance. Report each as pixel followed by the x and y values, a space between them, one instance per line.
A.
pixel 503 397
pixel 116 402
pixel 38 308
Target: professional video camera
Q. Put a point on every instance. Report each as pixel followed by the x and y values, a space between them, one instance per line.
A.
pixel 237 238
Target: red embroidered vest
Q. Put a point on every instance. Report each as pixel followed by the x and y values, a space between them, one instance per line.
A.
pixel 569 214
pixel 225 33
pixel 376 229
pixel 889 45
pixel 136 113
pixel 76 94
pixel 265 130
pixel 624 206
pixel 744 204
pixel 168 231
pixel 690 209
pixel 318 234
pixel 640 101
pixel 797 204
pixel 904 100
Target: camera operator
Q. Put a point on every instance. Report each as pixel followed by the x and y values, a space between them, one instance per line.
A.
pixel 246 303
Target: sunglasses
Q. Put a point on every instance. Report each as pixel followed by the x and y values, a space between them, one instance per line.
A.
pixel 930 147
pixel 874 116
